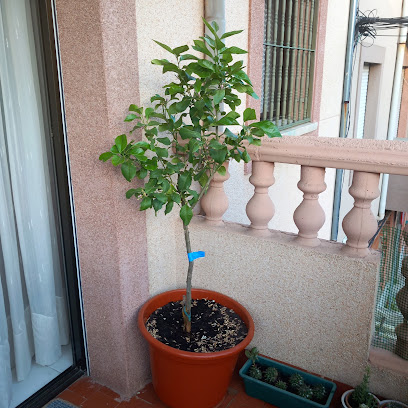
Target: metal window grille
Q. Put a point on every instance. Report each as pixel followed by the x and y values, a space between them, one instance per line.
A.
pixel 290 37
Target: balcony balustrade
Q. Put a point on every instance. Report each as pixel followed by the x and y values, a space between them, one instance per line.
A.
pixel 368 159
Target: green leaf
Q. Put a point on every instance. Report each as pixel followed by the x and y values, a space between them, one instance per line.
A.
pixel 213 30
pixel 105 156
pixel 157 205
pixel 128 170
pixel 199 70
pixel 197 85
pixel 229 119
pixel 186 214
pixel 230 33
pixel 131 192
pixel 135 108
pixel 183 105
pixel 142 173
pixel 200 47
pixel 130 117
pixel 176 198
pixel 162 152
pixel 166 47
pixel 121 143
pixel 188 133
pixel 219 155
pixel 169 207
pixel 203 179
pixel 170 68
pixel 188 57
pixel 235 50
pixel 172 109
pixel 178 50
pixel 164 140
pixel 222 170
pixel 165 186
pixel 242 76
pixel 246 157
pixel 184 180
pixel 148 112
pixel 207 64
pixel 219 96
pixel 228 133
pixel 161 197
pixel 193 145
pixel 146 203
pixel 160 62
pixel 268 127
pixel 249 114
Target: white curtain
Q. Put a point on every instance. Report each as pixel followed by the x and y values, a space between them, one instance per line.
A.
pixel 33 319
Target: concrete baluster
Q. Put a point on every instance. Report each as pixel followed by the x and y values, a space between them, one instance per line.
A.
pixel 260 208
pixel 360 224
pixel 401 347
pixel 309 217
pixel 215 201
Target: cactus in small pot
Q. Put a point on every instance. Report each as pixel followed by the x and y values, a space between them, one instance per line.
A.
pixel 305 391
pixel 319 392
pixel 361 396
pixel 296 381
pixel 270 375
pixel 254 370
pixel 281 384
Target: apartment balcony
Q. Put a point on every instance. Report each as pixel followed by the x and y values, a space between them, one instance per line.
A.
pixel 312 300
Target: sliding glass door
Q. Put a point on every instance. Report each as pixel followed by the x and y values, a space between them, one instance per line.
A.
pixel 40 323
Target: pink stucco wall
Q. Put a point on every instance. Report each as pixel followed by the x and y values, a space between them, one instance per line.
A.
pixel 99 64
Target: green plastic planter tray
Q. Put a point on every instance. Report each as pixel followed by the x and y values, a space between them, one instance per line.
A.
pixel 281 398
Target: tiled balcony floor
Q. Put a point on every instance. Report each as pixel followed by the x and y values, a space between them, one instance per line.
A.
pixel 85 393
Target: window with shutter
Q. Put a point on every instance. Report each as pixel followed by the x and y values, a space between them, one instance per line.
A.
pixel 290 36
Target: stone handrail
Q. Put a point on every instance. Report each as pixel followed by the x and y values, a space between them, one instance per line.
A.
pixel 368 159
pixel 372 156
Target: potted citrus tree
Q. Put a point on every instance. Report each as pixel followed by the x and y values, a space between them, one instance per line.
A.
pixel 190 137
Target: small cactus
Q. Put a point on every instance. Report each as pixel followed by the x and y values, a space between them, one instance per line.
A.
pixel 296 381
pixel 281 384
pixel 270 375
pixel 255 372
pixel 319 391
pixel 252 355
pixel 305 391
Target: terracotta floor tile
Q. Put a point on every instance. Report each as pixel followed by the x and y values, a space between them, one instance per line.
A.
pixel 148 394
pixel 109 392
pixel 85 387
pixel 72 397
pixel 100 400
pixel 231 394
pixel 135 403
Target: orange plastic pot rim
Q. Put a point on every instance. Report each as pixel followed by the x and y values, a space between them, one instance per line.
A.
pixel 174 295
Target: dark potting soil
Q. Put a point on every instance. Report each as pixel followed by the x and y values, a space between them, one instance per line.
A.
pixel 213 327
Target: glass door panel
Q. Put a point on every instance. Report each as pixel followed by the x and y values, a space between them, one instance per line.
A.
pixel 35 320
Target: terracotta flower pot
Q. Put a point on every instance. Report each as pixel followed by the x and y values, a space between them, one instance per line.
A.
pixel 184 379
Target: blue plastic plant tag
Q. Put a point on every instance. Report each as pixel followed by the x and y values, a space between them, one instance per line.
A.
pixel 195 255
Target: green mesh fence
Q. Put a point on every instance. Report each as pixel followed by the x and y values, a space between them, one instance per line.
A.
pixel 387 312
